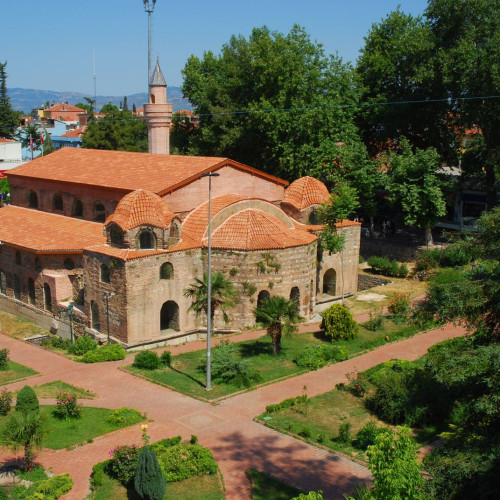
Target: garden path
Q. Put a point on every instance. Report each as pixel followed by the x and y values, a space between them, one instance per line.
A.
pixel 227 428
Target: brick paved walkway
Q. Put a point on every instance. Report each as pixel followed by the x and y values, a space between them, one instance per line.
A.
pixel 226 428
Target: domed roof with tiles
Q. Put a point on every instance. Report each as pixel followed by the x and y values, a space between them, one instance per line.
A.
pixel 254 229
pixel 305 192
pixel 141 208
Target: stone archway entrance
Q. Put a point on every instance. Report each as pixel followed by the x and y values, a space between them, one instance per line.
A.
pixel 169 316
pixel 330 282
pixel 262 297
pixel 295 296
pixel 94 316
pixel 47 297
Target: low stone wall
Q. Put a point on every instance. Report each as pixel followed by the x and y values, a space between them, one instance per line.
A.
pixel 366 281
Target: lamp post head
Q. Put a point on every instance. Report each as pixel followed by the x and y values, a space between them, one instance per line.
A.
pixel 149 5
pixel 210 174
pixel 70 309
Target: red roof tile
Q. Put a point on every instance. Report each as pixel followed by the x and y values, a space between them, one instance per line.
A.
pixel 44 232
pixel 139 208
pixel 64 107
pixel 126 171
pixel 4 139
pixel 305 192
pixel 77 132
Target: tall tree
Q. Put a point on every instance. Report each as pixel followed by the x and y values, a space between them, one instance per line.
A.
pixel 467 38
pixel 273 101
pixel 279 315
pixel 9 119
pixel 180 133
pixel 117 131
pixel 149 481
pixel 415 187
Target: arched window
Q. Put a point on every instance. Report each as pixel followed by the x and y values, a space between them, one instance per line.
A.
pixel 174 232
pixel 18 258
pixel 152 98
pixel 295 296
pixel 105 276
pixel 94 316
pixel 99 212
pixel 31 291
pixel 38 264
pixel 330 282
pixel 147 240
pixel 263 296
pixel 166 271
pixel 17 287
pixel 33 200
pixel 116 236
pixel 57 202
pixel 3 283
pixel 47 298
pixel 311 298
pixel 77 208
pixel 169 316
pixel 69 264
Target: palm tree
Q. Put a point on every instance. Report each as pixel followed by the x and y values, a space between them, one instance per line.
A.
pixel 279 315
pixel 25 430
pixel 223 296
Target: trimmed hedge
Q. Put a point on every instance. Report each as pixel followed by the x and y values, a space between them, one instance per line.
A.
pixel 286 403
pixel 108 352
pixel 387 267
pixel 147 360
pixel 338 323
pixel 82 345
pixel 317 356
pixel 26 400
pixel 47 489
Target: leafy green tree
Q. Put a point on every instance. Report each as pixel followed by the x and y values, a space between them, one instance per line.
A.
pixel 223 296
pixel 117 131
pixel 27 401
pixel 279 315
pixel 9 119
pixel 393 463
pixel 274 101
pixel 88 107
pixel 149 481
pixel 180 133
pixel 415 187
pixel 467 54
pixel 25 431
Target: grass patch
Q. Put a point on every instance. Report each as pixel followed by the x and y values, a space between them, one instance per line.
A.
pixel 15 371
pixel 194 488
pixel 71 432
pixel 187 376
pixel 19 327
pixel 52 389
pixel 264 487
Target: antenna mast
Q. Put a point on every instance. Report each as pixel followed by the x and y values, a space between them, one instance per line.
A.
pixel 95 88
pixel 149 6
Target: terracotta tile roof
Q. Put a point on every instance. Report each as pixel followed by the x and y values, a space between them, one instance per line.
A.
pixel 127 171
pixel 4 139
pixel 141 207
pixel 44 232
pixel 254 229
pixel 305 192
pixel 64 107
pixel 77 132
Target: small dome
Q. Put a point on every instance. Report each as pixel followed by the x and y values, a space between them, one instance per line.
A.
pixel 254 229
pixel 305 192
pixel 141 208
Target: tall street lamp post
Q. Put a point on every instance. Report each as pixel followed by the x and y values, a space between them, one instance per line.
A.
pixel 209 277
pixel 107 296
pixel 149 6
pixel 70 315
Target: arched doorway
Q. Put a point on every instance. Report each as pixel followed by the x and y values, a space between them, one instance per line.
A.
pixel 33 200
pixel 94 316
pixel 330 282
pixel 17 287
pixel 3 283
pixel 169 316
pixel 295 296
pixel 99 212
pixel 47 297
pixel 31 291
pixel 263 296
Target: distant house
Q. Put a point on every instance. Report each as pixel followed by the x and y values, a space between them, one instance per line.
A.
pixel 71 139
pixel 10 155
pixel 62 112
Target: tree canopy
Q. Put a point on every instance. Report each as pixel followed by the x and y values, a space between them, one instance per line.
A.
pixel 9 119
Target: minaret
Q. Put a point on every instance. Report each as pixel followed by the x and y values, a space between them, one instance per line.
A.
pixel 158 114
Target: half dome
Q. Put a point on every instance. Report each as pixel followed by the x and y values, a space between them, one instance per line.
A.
pixel 305 192
pixel 141 208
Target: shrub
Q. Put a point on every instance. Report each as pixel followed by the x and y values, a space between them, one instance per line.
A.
pixel 166 443
pixel 183 461
pixel 123 464
pixel 67 406
pixel 229 369
pixel 403 271
pixel 149 480
pixel 97 476
pixel 27 400
pixel 194 439
pixel 345 432
pixel 108 352
pixel 338 323
pixel 387 267
pixel 375 322
pixel 366 435
pixel 286 403
pixel 56 342
pixel 399 306
pixel 4 358
pixel 147 360
pixel 357 384
pixel 124 416
pixel 48 489
pixel 166 358
pixel 36 474
pixel 5 401
pixel 317 356
pixel 312 495
pixel 83 344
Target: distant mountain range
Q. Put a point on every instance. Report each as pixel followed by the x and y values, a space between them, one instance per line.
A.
pixel 27 99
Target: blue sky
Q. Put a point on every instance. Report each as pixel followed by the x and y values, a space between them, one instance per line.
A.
pixel 49 44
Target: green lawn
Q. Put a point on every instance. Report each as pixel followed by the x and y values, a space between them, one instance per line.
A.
pixel 19 327
pixel 67 433
pixel 194 488
pixel 264 487
pixel 187 376
pixel 52 389
pixel 14 372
